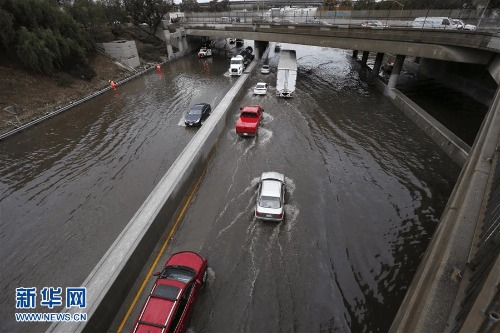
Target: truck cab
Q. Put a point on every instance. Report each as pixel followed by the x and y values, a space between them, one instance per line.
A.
pixel 236 67
pixel 249 120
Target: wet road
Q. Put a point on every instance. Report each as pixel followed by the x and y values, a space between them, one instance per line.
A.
pixel 70 184
pixel 365 191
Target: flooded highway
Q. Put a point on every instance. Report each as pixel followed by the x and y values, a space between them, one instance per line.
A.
pixel 365 191
pixel 70 184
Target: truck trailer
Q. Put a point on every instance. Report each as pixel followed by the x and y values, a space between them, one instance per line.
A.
pixel 287 73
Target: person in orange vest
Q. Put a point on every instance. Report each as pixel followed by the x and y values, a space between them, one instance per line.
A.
pixel 112 84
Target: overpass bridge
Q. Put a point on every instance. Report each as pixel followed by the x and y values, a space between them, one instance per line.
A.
pixel 456 288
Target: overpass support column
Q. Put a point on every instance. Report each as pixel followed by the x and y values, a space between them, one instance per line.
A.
pixel 355 54
pixel 396 69
pixel 378 63
pixel 364 59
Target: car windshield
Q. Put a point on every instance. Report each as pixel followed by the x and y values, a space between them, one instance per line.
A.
pixel 249 115
pixel 195 111
pixel 179 273
pixel 236 62
pixel 261 86
pixel 270 202
pixel 265 67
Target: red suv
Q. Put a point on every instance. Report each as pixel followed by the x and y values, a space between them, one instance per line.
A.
pixel 172 298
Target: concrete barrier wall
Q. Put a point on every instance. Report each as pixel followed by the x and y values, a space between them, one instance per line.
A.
pixel 451 144
pixel 112 278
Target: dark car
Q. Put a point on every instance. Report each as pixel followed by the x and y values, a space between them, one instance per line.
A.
pixel 174 293
pixel 197 113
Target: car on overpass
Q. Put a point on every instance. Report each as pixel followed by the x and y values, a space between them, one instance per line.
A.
pixel 271 197
pixel 373 24
pixel 174 293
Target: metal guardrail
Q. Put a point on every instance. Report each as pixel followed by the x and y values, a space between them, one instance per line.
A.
pixel 69 106
pixel 487 21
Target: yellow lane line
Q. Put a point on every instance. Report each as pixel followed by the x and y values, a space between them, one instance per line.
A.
pixel 120 328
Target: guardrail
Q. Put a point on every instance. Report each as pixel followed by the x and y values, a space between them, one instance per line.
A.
pixel 70 105
pixel 483 21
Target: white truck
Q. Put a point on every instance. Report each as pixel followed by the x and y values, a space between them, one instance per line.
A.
pixel 435 23
pixel 287 73
pixel 241 61
pixel 205 52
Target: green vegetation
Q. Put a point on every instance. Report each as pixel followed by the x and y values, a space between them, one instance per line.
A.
pixel 42 36
pixel 50 35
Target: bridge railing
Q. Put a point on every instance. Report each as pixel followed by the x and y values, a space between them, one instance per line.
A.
pixel 485 20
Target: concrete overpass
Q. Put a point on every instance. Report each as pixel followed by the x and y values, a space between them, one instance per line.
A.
pixel 459 46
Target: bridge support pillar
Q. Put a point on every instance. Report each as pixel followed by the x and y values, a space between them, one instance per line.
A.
pixel 364 58
pixel 378 63
pixel 396 69
pixel 355 54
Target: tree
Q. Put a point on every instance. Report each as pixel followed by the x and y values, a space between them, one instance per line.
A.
pixel 330 4
pixel 190 6
pixel 89 13
pixel 42 36
pixel 224 6
pixel 150 12
pixel 114 11
pixel 213 6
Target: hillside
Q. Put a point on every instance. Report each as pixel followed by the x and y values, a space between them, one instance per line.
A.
pixel 35 95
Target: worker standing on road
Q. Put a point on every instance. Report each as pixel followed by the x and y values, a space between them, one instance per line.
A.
pixel 112 84
pixel 158 68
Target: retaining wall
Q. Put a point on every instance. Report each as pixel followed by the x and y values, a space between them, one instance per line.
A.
pixel 451 144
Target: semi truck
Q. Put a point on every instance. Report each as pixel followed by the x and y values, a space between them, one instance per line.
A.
pixel 287 73
pixel 241 61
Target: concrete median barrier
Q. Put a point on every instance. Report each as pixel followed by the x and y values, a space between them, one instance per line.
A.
pixel 111 279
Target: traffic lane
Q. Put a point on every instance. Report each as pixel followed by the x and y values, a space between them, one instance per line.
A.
pixel 360 221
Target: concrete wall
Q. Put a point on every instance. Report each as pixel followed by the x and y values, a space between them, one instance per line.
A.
pixel 452 145
pixel 472 80
pixel 125 51
pixel 112 278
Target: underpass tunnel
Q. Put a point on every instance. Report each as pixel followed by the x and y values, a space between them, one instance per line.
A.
pixel 260 48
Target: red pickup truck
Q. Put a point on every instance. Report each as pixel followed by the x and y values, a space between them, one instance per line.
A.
pixel 249 120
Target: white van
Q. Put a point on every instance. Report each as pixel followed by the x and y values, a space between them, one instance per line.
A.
pixel 435 23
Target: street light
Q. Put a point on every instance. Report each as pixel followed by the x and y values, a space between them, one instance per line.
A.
pixel 402 6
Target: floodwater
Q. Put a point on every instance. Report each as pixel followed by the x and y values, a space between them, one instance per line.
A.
pixel 365 191
pixel 70 184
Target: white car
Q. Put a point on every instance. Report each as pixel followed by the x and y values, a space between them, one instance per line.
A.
pixel 271 197
pixel 260 88
pixel 373 24
pixel 265 69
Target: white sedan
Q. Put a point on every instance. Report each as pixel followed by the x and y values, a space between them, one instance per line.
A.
pixel 271 197
pixel 265 69
pixel 260 88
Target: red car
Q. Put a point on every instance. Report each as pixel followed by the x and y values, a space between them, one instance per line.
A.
pixel 249 120
pixel 171 300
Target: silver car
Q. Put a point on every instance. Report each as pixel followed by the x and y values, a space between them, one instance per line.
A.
pixel 271 198
pixel 260 88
